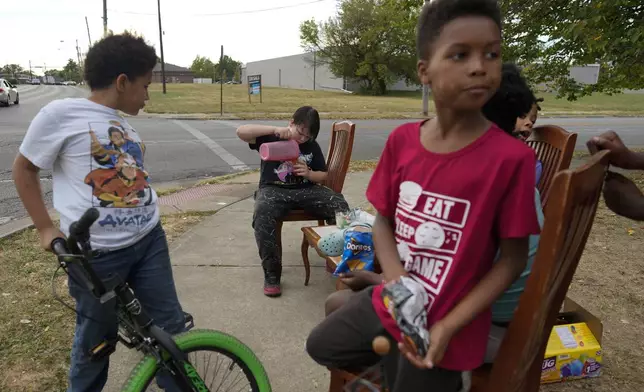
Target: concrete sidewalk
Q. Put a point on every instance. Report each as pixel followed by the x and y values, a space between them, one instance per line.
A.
pixel 220 281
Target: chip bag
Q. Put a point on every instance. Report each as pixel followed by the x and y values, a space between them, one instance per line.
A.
pixel 358 253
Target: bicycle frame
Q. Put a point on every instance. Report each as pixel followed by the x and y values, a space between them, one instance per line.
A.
pixel 140 331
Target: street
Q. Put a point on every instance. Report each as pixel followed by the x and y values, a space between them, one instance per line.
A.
pixel 180 150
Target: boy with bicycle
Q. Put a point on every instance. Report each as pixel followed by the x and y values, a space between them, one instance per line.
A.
pixel 97 161
pixel 449 192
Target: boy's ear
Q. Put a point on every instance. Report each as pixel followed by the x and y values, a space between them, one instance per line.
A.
pixel 121 83
pixel 423 72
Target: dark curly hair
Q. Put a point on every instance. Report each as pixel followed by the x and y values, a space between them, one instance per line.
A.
pixel 513 99
pixel 437 13
pixel 115 55
pixel 310 118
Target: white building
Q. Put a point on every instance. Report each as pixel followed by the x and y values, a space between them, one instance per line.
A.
pixel 301 71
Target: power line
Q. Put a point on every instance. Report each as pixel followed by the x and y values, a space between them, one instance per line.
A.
pixel 229 13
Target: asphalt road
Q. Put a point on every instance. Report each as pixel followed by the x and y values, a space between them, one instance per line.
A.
pixel 192 149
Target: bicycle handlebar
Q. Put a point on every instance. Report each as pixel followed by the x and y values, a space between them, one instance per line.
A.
pixel 79 233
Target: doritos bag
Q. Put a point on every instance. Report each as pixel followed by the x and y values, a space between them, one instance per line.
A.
pixel 358 252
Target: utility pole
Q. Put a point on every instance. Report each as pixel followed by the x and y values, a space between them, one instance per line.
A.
pixel 88 36
pixel 80 66
pixel 426 92
pixel 314 67
pixel 31 76
pixel 161 45
pixel 221 81
pixel 104 18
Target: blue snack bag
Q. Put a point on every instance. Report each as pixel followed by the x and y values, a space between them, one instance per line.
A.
pixel 358 252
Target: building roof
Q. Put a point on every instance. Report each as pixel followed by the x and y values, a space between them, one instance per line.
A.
pixel 170 68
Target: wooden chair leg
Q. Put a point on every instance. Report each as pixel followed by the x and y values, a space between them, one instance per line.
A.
pixel 305 259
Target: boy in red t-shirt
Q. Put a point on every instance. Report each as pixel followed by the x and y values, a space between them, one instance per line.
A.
pixel 449 192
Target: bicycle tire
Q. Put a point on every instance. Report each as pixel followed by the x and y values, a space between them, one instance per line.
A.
pixel 144 372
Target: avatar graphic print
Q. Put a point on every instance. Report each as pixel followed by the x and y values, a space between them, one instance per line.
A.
pixel 118 177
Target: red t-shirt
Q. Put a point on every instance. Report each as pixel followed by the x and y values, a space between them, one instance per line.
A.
pixel 450 210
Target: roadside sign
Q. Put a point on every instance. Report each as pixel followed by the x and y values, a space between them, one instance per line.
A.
pixel 255 86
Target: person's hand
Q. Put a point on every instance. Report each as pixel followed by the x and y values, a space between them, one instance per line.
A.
pixel 284 133
pixel 620 155
pixel 622 196
pixel 360 279
pixel 439 337
pixel 301 169
pixel 48 235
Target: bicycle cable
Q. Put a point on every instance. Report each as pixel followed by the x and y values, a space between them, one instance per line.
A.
pixel 59 299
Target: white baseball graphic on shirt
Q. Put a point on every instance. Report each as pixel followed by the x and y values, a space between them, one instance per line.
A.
pixel 430 234
pixel 403 251
pixel 410 193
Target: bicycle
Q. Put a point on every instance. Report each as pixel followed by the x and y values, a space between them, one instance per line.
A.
pixel 162 352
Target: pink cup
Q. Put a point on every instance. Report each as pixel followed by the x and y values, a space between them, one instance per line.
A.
pixel 284 150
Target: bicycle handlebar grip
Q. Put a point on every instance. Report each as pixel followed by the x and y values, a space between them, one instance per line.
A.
pixel 81 227
pixel 381 345
pixel 59 246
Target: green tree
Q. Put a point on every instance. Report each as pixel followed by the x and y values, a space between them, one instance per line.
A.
pixel 547 37
pixel 229 67
pixel 203 67
pixel 12 69
pixel 237 76
pixel 71 71
pixel 372 41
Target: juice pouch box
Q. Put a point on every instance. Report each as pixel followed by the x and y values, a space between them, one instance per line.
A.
pixel 572 353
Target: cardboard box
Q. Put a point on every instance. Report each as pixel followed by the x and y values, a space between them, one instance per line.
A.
pixel 574 348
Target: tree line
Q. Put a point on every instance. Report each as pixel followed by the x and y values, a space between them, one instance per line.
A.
pixel 71 71
pixel 203 67
pixel 373 42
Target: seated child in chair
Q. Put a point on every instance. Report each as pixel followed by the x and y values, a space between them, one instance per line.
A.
pixel 286 186
pixel 449 191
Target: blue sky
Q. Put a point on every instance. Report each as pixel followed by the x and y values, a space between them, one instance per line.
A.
pixel 46 31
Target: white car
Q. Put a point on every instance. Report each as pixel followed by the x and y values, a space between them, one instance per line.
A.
pixel 69 83
pixel 8 93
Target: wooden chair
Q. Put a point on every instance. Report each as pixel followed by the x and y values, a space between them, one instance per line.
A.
pixel 338 158
pixel 554 147
pixel 568 219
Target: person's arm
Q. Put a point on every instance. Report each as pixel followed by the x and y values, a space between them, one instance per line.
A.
pixel 250 132
pixel 27 181
pixel 38 150
pixel 382 193
pixel 623 197
pixel 317 172
pixel 620 155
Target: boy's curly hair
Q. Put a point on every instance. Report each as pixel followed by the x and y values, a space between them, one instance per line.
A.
pixel 115 55
pixel 512 100
pixel 437 13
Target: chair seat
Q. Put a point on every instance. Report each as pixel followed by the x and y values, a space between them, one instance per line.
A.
pixel 480 376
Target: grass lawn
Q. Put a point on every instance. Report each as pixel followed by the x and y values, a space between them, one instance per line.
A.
pixel 279 103
pixel 35 330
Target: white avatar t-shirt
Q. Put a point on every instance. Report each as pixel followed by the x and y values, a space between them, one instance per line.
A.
pixel 97 161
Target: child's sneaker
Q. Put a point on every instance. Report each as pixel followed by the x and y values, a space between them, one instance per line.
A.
pixel 272 287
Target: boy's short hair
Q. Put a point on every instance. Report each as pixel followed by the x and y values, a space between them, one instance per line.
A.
pixel 437 13
pixel 512 100
pixel 310 118
pixel 115 55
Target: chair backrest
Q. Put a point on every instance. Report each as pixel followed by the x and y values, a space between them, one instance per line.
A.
pixel 339 155
pixel 569 217
pixel 554 147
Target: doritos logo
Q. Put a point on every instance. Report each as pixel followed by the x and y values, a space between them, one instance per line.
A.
pixel 355 247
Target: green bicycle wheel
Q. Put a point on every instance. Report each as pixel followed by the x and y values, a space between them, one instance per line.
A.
pixel 209 341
